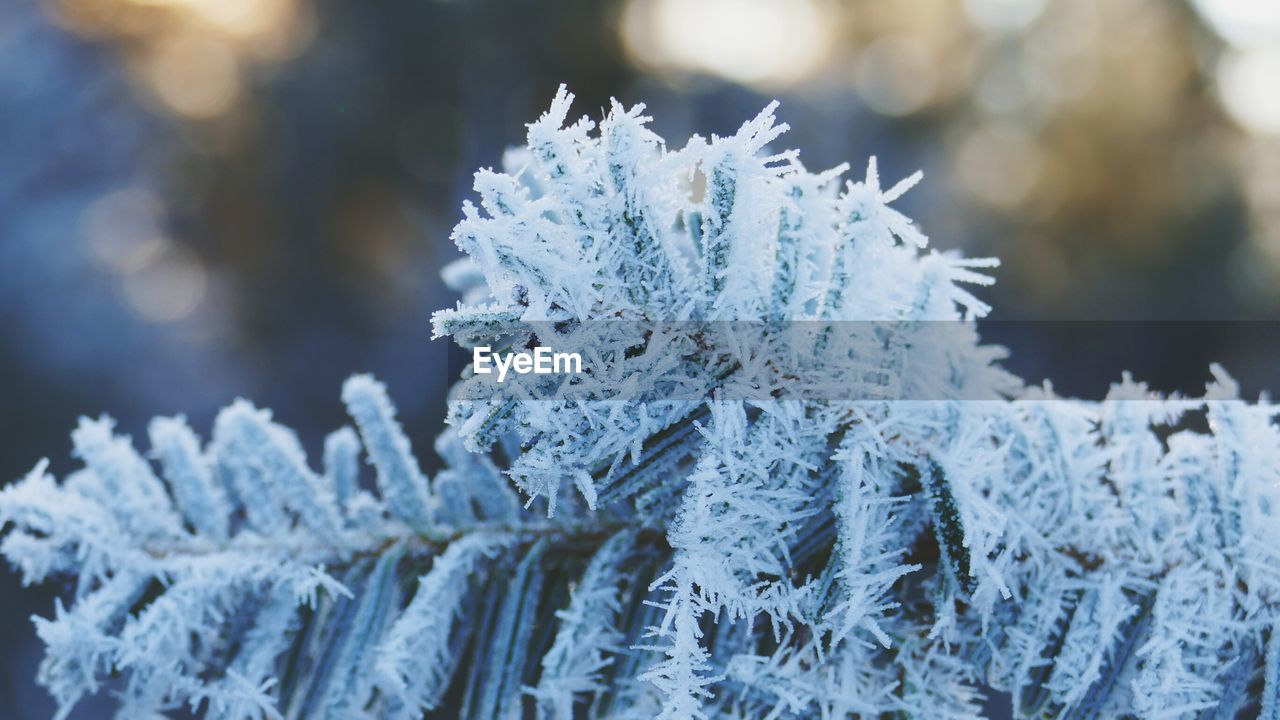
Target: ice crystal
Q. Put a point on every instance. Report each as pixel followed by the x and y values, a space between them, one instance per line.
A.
pixel 669 535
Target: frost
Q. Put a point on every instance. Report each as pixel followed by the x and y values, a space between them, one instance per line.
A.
pixel 413 661
pixel 704 546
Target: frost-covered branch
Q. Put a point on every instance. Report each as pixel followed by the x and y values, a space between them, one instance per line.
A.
pixel 674 533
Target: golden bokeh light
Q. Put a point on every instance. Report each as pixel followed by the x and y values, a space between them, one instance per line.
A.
pixel 122 229
pixel 764 43
pixel 896 75
pixel 160 280
pixel 194 55
pixel 1004 15
pixel 997 164
pixel 1249 86
pixel 194 75
pixel 1243 23
pixel 168 289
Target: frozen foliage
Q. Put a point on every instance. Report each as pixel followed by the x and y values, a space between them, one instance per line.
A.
pixel 688 558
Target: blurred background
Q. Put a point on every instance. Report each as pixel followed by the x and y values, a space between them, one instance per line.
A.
pixel 204 199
